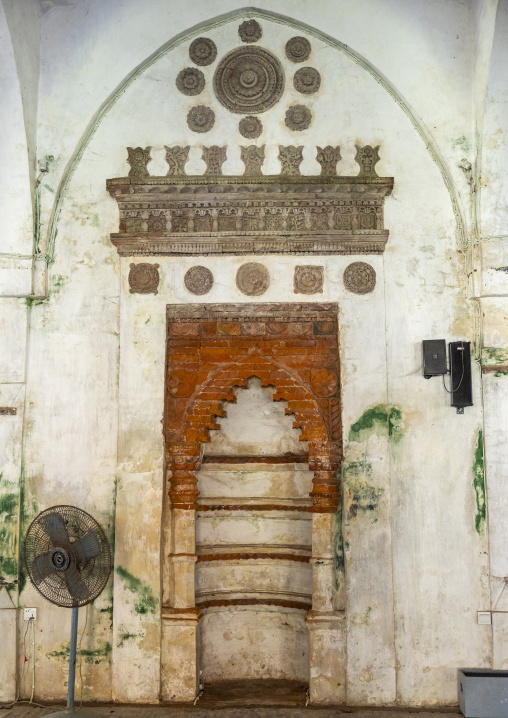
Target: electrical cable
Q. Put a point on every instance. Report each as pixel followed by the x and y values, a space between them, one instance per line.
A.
pixel 7 706
pixel 33 659
pixel 452 390
pixel 80 660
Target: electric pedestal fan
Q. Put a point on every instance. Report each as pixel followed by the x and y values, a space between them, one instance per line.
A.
pixel 68 560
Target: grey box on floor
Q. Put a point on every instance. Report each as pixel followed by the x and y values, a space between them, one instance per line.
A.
pixel 483 693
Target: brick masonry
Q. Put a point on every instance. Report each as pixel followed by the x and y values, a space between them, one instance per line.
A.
pixel 213 348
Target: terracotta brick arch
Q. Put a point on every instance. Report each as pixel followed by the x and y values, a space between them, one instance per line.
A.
pixel 206 359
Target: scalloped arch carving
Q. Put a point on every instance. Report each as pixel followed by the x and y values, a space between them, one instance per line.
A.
pixel 212 348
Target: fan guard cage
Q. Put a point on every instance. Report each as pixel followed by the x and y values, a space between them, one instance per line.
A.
pixel 67 556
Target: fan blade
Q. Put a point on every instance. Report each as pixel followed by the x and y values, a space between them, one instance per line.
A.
pixel 42 567
pixel 87 547
pixel 53 525
pixel 77 587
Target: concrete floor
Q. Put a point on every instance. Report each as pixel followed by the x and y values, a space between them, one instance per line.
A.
pixel 236 699
pixel 116 711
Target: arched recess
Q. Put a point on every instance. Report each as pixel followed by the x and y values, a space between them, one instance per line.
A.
pixel 210 350
pixel 203 27
pixel 206 404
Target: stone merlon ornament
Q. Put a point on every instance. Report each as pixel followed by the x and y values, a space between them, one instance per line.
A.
pixel 214 158
pixel 253 158
pixel 328 157
pixel 290 159
pixel 367 157
pixel 138 158
pixel 176 157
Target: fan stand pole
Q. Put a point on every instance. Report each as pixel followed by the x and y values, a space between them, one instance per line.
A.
pixel 72 670
pixel 72 660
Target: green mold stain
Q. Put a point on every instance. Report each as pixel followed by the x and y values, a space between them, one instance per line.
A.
pixel 479 485
pixel 91 656
pixel 357 468
pixel 9 504
pixel 364 498
pixel 94 220
pixel 127 636
pixel 146 602
pixel 491 357
pixel 34 302
pixel 58 282
pixel 378 418
pixel 463 143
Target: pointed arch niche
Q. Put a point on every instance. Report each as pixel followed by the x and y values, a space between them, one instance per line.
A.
pixel 292 351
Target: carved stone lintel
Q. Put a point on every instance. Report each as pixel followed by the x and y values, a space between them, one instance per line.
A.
pixel 203 51
pixel 190 81
pixel 253 158
pixel 298 118
pixel 250 31
pixel 249 80
pixel 201 118
pixel 360 278
pixel 253 279
pixel 138 158
pixel 307 80
pixel 328 157
pixel 290 159
pixel 176 157
pixel 214 158
pixel 298 49
pixel 144 278
pixel 367 157
pixel 308 279
pixel 251 214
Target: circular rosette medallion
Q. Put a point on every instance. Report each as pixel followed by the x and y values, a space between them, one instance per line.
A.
pixel 198 280
pixel 360 278
pixel 253 279
pixel 324 383
pixel 249 80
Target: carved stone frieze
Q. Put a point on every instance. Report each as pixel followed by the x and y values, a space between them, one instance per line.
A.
pixel 360 278
pixel 307 80
pixel 328 157
pixel 367 157
pixel 298 49
pixel 190 81
pixel 250 127
pixel 203 51
pixel 290 159
pixel 144 278
pixel 298 118
pixel 198 280
pixel 201 118
pixel 253 279
pixel 249 80
pixel 138 158
pixel 253 158
pixel 176 157
pixel 251 214
pixel 214 157
pixel 250 31
pixel 308 279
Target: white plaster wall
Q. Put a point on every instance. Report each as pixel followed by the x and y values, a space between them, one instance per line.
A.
pixel 96 352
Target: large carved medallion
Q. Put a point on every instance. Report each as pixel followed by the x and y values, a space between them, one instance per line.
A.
pixel 249 80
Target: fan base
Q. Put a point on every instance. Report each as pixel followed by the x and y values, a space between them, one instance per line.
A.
pixel 70 712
